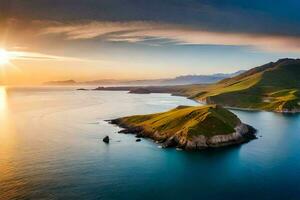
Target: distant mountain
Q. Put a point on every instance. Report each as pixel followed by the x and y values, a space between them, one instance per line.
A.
pixel 180 80
pixel 199 79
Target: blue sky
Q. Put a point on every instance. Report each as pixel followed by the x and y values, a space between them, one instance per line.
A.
pixel 148 39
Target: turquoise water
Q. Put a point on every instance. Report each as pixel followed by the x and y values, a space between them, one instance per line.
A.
pixel 51 148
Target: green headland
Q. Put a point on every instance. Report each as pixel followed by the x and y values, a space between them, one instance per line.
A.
pixel 189 127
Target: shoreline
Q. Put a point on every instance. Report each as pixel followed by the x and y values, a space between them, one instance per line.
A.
pixel 195 100
pixel 239 108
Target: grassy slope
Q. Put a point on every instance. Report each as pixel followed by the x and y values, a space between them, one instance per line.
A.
pixel 190 121
pixel 274 86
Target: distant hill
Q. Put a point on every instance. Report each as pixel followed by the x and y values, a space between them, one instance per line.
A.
pixel 180 80
pixel 65 82
pixel 199 79
pixel 189 127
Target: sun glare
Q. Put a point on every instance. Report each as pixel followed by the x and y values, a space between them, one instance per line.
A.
pixel 2 98
pixel 4 57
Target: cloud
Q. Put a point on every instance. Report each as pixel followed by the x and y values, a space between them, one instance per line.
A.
pixel 35 56
pixel 16 55
pixel 94 29
pixel 139 32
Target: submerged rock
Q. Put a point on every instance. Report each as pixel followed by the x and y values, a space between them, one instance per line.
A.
pixel 138 140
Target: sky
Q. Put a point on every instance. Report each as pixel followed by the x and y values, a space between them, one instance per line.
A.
pixel 85 40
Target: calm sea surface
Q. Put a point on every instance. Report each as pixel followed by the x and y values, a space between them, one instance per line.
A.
pixel 51 148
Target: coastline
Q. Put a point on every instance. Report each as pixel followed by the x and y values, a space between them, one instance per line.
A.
pixel 242 109
pixel 149 91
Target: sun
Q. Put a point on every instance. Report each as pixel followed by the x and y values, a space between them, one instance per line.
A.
pixel 4 57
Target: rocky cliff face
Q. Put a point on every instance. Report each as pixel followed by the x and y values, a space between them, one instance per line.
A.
pixel 243 133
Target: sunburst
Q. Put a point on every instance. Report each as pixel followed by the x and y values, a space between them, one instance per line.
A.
pixel 4 57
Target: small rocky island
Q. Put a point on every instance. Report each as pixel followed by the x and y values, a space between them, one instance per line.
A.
pixel 189 127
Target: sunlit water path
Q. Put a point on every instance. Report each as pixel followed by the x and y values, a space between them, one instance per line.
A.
pixel 51 148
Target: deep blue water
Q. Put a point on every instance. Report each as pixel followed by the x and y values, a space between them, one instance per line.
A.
pixel 51 148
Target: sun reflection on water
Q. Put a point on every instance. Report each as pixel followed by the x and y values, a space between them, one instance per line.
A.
pixel 8 151
pixel 3 101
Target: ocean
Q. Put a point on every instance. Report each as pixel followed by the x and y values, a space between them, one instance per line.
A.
pixel 51 148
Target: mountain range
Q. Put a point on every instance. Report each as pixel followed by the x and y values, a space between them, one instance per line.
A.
pixel 180 80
